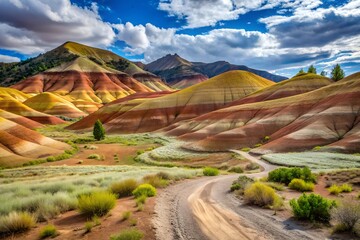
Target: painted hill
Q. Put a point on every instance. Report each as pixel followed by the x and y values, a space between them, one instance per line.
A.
pixel 11 101
pixel 142 115
pixel 51 104
pixel 328 117
pixel 19 144
pixel 181 73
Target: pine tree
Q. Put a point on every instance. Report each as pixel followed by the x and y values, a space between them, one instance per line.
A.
pixel 323 73
pixel 337 73
pixel 312 69
pixel 98 131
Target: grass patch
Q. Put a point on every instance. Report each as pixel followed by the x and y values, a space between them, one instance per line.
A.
pixel 126 215
pixel 124 188
pixel 16 222
pixel 144 190
pixel 209 171
pixel 336 190
pixel 48 231
pixel 96 203
pixel 128 234
pixel 156 181
pixel 236 170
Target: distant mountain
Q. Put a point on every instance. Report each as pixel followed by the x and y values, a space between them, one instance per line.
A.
pixel 181 73
pixel 80 72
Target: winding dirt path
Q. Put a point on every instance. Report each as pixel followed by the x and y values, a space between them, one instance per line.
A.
pixel 204 209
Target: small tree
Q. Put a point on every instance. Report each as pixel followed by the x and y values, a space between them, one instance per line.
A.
pixel 301 71
pixel 98 131
pixel 323 73
pixel 312 69
pixel 337 73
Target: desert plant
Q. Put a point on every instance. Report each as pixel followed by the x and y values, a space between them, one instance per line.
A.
pixel 96 203
pixel 16 222
pixel 276 186
pixel 48 231
pixel 261 195
pixel 88 226
pixel 141 200
pixel 94 156
pixel 209 171
pixel 164 175
pixel 246 149
pixel 301 185
pixel 240 184
pixel 334 189
pixel 128 234
pixel 133 221
pixel 346 215
pixel 252 166
pixel 144 189
pixel 124 188
pixel 98 131
pixel 126 215
pixel 236 170
pixel 312 207
pixel 155 180
pixel 285 175
pixel 346 187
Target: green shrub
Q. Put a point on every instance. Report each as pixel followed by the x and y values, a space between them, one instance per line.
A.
pixel 96 203
pixel 144 189
pixel 88 227
pixel 98 131
pixel 155 181
pixel 209 171
pixel 334 189
pixel 301 185
pixel 164 175
pixel 240 184
pixel 50 159
pixel 128 234
pixel 236 170
pixel 246 149
pixel 94 156
pixel 133 222
pixel 141 200
pixel 285 175
pixel 261 195
pixel 126 215
pixel 252 166
pixel 276 186
pixel 346 215
pixel 124 188
pixel 16 222
pixel 312 207
pixel 317 148
pixel 48 231
pixel 346 188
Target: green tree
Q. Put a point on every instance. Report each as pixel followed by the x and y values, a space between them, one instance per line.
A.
pixel 301 71
pixel 323 73
pixel 312 69
pixel 337 73
pixel 98 131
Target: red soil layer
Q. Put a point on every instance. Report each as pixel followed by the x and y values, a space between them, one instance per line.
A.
pixel 188 81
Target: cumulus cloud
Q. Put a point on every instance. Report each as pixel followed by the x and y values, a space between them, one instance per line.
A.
pixel 8 59
pixel 200 13
pixel 33 26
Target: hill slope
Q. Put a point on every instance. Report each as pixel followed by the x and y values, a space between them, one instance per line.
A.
pixel 181 73
pixel 327 117
pixel 151 114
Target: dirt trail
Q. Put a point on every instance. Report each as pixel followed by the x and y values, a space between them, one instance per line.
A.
pixel 204 209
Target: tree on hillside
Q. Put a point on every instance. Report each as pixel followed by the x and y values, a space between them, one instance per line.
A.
pixel 98 131
pixel 323 73
pixel 337 73
pixel 312 69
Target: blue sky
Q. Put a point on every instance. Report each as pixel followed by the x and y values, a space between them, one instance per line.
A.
pixel 280 36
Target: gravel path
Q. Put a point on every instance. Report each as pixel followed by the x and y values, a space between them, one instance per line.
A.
pixel 204 209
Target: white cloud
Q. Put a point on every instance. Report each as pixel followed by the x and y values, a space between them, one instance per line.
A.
pixel 33 26
pixel 8 59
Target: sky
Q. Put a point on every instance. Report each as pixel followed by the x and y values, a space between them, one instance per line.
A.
pixel 280 36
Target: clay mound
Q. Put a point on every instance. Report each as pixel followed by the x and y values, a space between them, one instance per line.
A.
pixel 11 105
pixel 87 107
pixel 13 94
pixel 20 120
pixel 189 81
pixel 155 113
pixel 51 104
pixel 328 117
pixel 19 144
pixel 297 85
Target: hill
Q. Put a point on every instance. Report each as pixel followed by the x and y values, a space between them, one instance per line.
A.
pixel 141 115
pixel 181 73
pixel 327 118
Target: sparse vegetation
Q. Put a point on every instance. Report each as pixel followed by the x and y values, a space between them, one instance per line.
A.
pixel 286 175
pixel 312 207
pixel 48 231
pixel 209 171
pixel 261 195
pixel 94 156
pixel 236 170
pixel 240 184
pixel 252 166
pixel 141 200
pixel 96 203
pixel 99 131
pixel 346 215
pixel 16 222
pixel 126 215
pixel 144 189
pixel 124 188
pixel 156 181
pixel 335 189
pixel 301 185
pixel 128 234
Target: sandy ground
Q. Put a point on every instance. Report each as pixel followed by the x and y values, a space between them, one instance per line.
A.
pixel 205 209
